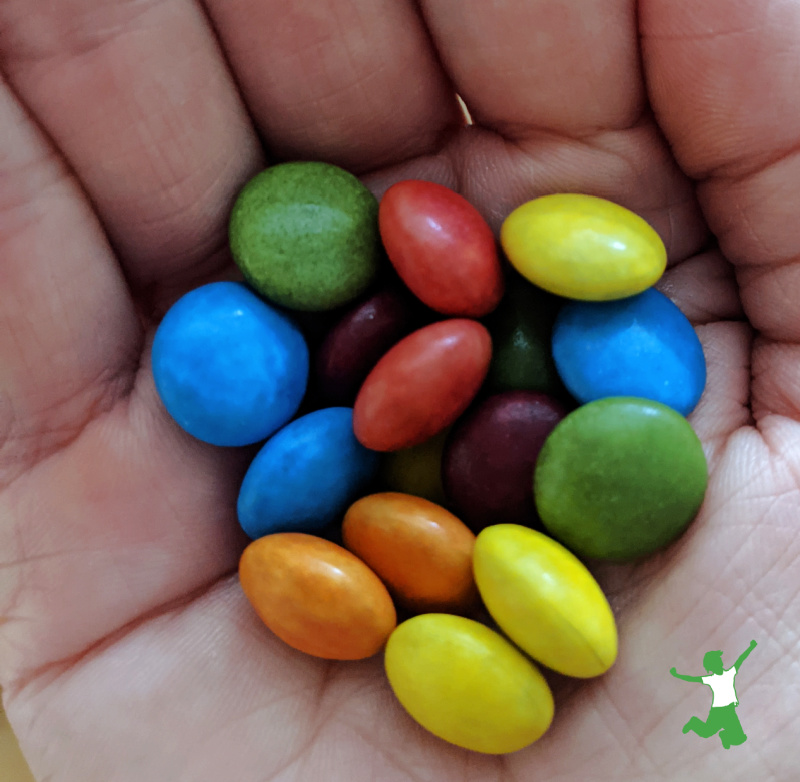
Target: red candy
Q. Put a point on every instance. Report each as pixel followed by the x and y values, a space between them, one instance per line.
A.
pixel 359 339
pixel 422 385
pixel 441 247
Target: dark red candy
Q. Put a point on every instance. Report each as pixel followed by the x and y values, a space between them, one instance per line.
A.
pixel 489 459
pixel 356 343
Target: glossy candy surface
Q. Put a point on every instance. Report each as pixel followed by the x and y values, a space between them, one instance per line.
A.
pixel 521 329
pixel 583 247
pixel 306 475
pixel 488 463
pixel 466 684
pixel 317 596
pixel 421 551
pixel 422 384
pixel 619 478
pixel 229 368
pixel 545 600
pixel 441 247
pixel 641 346
pixel 305 235
pixel 357 342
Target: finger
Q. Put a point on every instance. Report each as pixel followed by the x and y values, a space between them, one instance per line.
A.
pixel 722 77
pixel 570 68
pixel 138 97
pixel 352 82
pixel 69 337
pixel 551 121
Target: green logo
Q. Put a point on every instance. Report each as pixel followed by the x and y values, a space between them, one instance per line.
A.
pixel 722 717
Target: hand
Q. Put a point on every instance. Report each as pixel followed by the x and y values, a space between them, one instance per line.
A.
pixel 127 650
pixel 753 644
pixel 673 671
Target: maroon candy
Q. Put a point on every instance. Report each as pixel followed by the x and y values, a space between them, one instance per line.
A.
pixel 488 462
pixel 356 343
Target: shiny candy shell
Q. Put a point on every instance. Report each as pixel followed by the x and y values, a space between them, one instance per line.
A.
pixel 466 684
pixel 490 455
pixel 421 551
pixel 619 478
pixel 640 346
pixel 545 600
pixel 422 384
pixel 360 338
pixel 316 596
pixel 583 247
pixel 229 368
pixel 305 475
pixel 441 247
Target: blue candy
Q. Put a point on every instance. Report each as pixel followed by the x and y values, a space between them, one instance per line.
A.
pixel 642 346
pixel 306 475
pixel 229 368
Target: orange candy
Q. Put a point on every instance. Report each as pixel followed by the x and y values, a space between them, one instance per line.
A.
pixel 421 551
pixel 316 596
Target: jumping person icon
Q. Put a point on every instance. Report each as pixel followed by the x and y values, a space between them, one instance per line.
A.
pixel 722 717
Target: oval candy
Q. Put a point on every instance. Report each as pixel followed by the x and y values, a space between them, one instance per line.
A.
pixel 305 235
pixel 545 600
pixel 640 346
pixel 441 247
pixel 421 551
pixel 305 475
pixel 356 343
pixel 583 247
pixel 620 478
pixel 466 684
pixel 422 384
pixel 488 462
pixel 229 368
pixel 317 596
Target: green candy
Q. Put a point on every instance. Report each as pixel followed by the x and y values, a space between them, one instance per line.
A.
pixel 305 235
pixel 620 478
pixel 521 329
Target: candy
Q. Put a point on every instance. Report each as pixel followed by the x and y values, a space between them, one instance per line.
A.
pixel 441 247
pixel 583 247
pixel 316 596
pixel 466 684
pixel 422 384
pixel 641 346
pixel 306 475
pixel 488 463
pixel 620 478
pixel 545 600
pixel 306 235
pixel 229 368
pixel 357 342
pixel 421 551
pixel 521 329
pixel 416 470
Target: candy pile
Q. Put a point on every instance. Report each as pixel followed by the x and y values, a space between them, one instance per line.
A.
pixel 422 446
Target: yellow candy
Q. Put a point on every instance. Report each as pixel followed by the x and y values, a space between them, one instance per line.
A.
pixel 545 600
pixel 466 684
pixel 583 247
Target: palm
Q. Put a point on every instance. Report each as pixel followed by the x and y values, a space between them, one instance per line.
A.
pixel 127 649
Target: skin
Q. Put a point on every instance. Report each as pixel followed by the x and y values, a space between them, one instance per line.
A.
pixel 127 651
